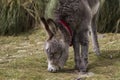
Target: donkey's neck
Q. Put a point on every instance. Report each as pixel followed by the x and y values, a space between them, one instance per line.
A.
pixel 67 38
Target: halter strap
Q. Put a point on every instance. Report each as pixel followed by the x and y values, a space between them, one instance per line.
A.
pixel 68 29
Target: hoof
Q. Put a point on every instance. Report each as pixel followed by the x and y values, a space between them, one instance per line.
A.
pixel 97 51
pixel 81 68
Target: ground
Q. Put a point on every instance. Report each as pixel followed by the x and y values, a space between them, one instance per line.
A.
pixel 22 57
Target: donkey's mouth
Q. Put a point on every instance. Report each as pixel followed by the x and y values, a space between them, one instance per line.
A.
pixel 53 68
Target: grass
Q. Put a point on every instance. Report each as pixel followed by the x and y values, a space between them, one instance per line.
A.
pixel 18 16
pixel 22 58
pixel 109 20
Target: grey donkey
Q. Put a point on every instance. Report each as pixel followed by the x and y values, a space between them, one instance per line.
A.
pixel 74 20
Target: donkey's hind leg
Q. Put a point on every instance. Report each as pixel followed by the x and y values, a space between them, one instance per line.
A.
pixel 94 35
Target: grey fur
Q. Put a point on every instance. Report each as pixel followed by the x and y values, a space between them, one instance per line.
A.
pixel 57 45
pixel 80 15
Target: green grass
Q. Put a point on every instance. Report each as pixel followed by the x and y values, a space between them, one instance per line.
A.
pixel 18 16
pixel 22 58
pixel 109 16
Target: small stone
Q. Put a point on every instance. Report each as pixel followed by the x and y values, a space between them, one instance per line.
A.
pixel 21 51
pixel 111 56
pixel 79 79
pixel 88 74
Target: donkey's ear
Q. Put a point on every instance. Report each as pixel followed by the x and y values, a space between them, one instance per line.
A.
pixel 46 26
pixel 52 25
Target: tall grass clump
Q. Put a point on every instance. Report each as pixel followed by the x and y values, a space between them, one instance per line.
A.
pixel 109 17
pixel 1 5
pixel 19 15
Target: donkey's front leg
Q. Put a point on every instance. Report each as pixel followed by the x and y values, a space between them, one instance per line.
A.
pixel 84 58
pixel 76 46
pixel 84 51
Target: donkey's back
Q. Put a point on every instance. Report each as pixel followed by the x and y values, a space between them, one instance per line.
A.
pixel 75 11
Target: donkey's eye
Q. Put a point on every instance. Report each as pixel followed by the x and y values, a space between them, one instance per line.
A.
pixel 55 54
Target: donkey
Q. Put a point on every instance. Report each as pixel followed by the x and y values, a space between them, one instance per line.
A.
pixel 74 20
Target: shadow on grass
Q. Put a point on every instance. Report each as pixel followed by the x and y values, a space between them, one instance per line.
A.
pixel 66 70
pixel 107 58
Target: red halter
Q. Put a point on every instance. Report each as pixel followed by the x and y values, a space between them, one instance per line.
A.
pixel 68 29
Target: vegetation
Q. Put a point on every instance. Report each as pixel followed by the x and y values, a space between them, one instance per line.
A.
pixel 49 11
pixel 19 15
pixel 109 16
pixel 22 58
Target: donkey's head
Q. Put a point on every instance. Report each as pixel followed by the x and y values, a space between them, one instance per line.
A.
pixel 57 44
